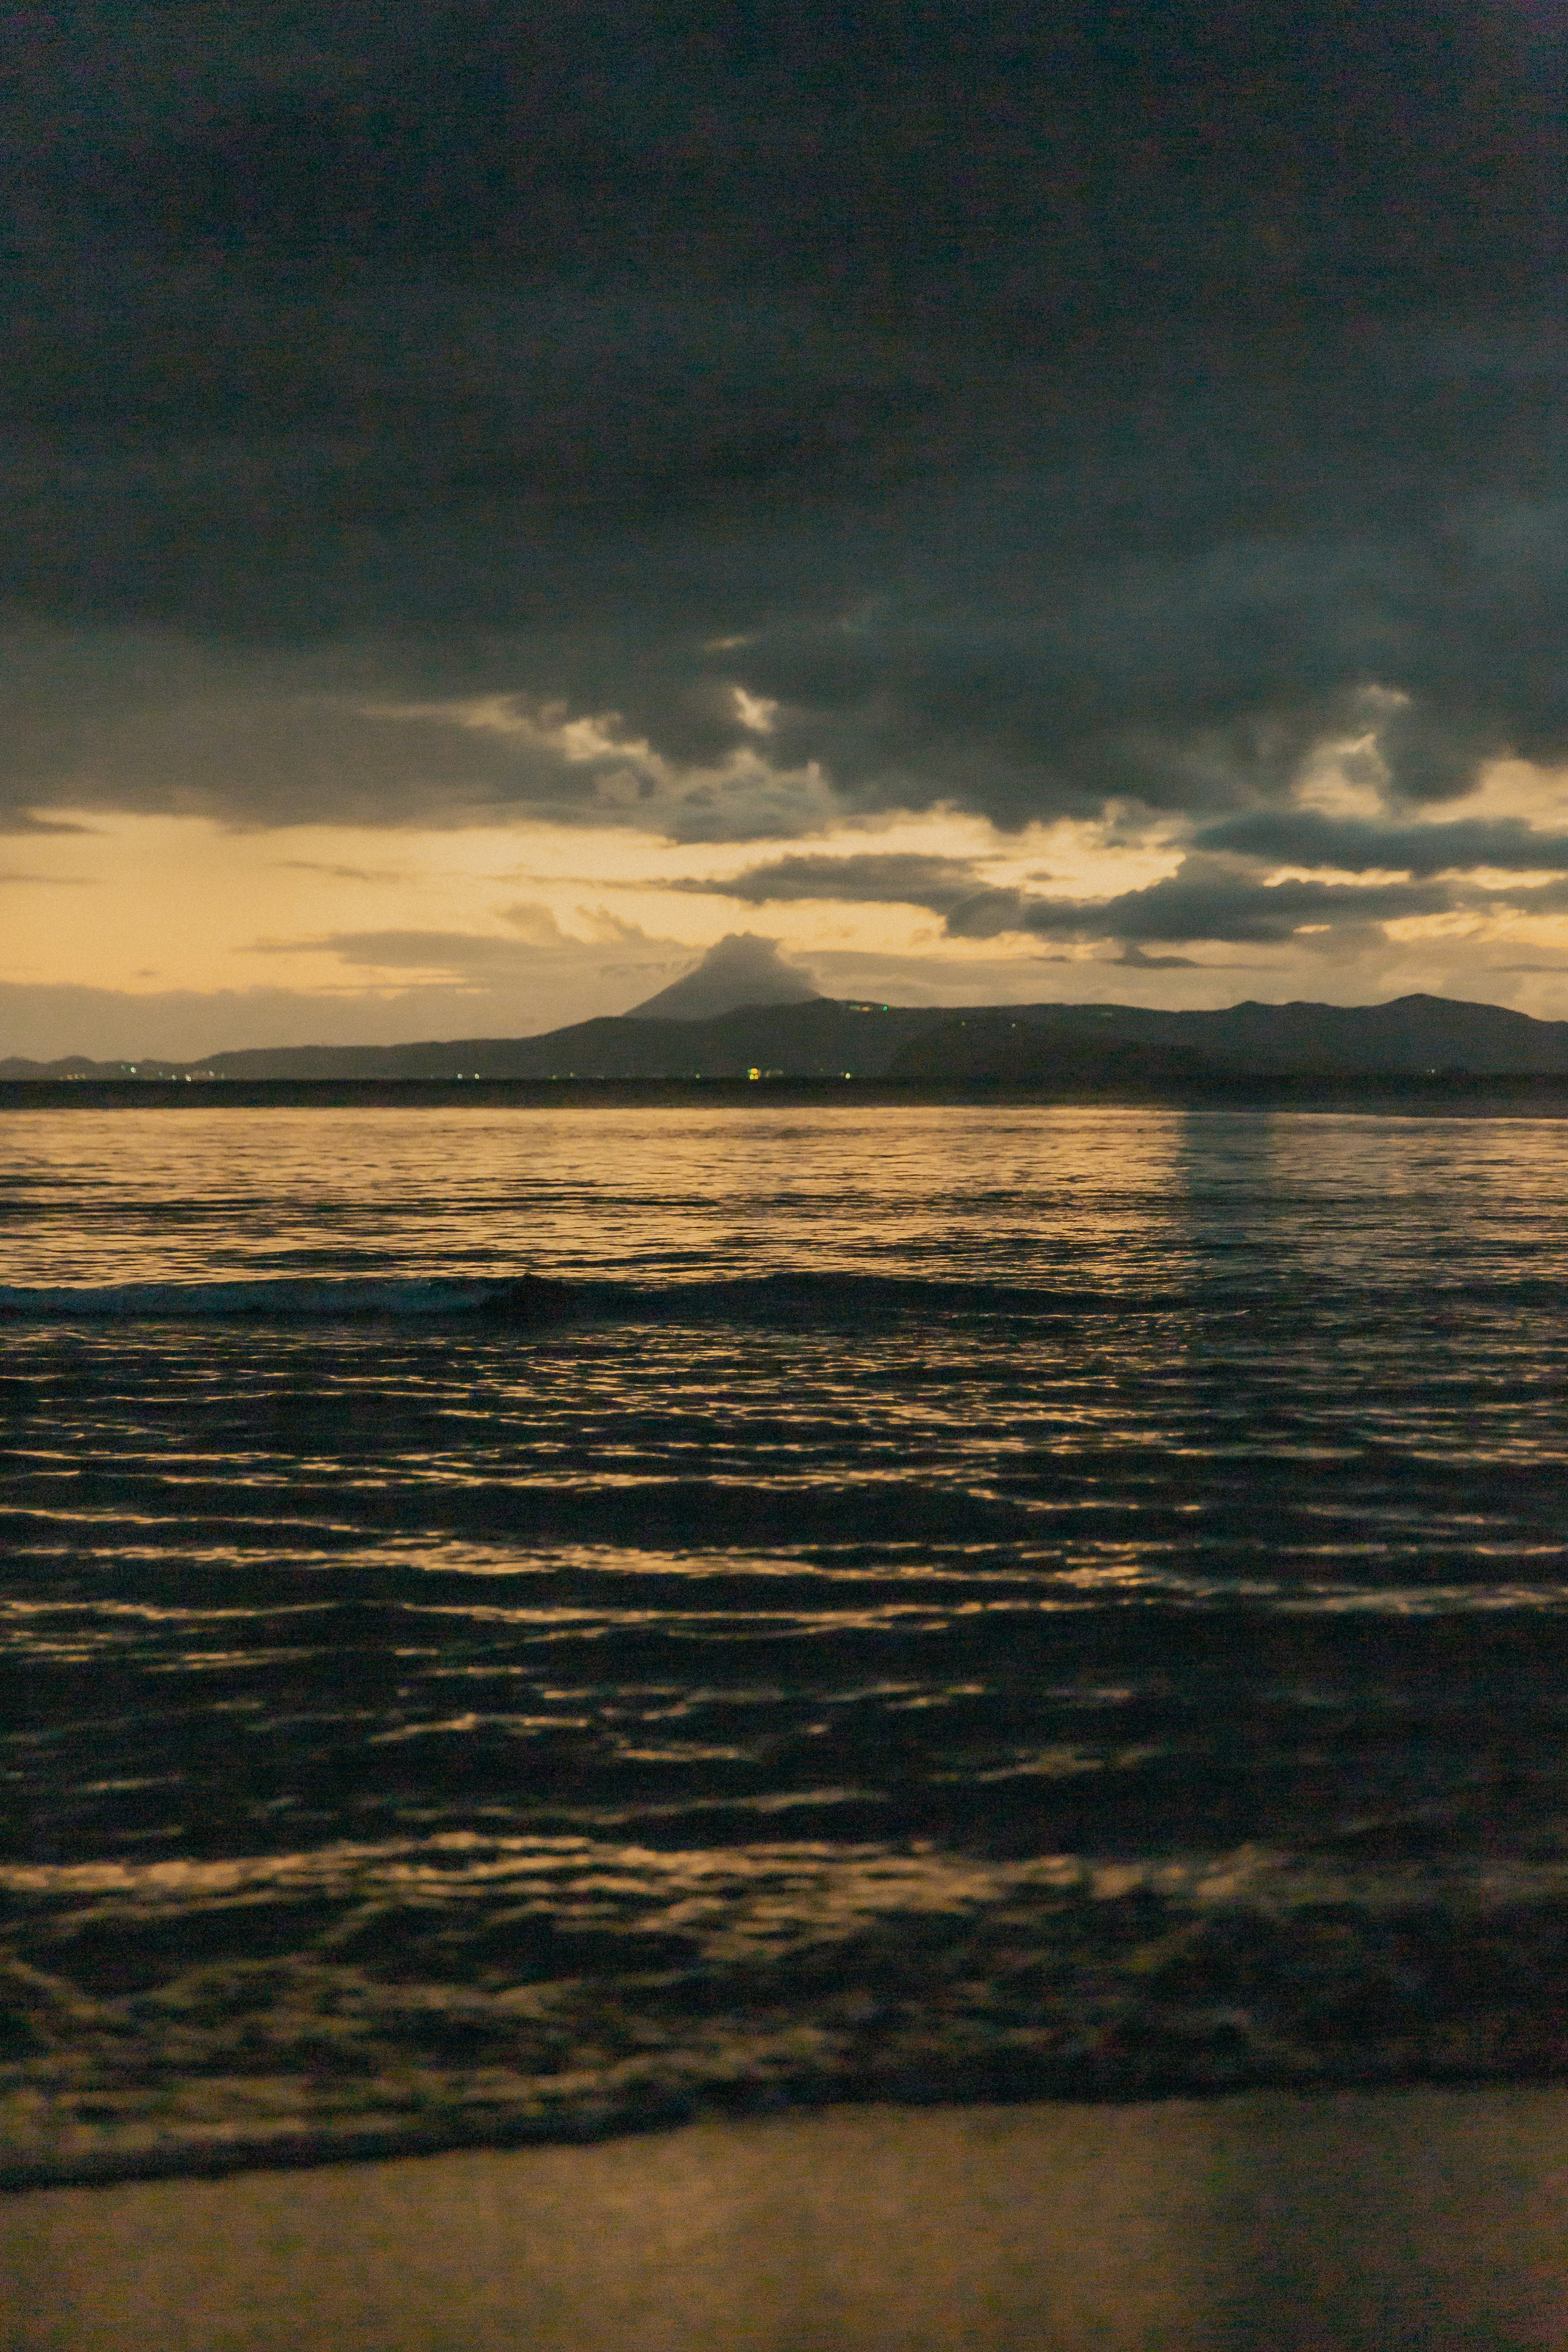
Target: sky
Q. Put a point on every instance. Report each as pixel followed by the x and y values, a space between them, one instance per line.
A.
pixel 1009 502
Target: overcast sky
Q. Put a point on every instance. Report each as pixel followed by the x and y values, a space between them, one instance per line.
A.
pixel 1009 500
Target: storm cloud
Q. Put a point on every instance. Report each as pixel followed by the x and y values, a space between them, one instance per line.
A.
pixel 1009 409
pixel 1306 837
pixel 888 877
pixel 1209 897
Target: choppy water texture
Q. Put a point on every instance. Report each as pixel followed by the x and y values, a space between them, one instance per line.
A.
pixel 523 1620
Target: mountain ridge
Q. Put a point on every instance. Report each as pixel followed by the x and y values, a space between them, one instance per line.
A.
pixel 823 1036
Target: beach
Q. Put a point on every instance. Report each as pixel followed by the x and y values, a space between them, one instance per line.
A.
pixel 1407 2221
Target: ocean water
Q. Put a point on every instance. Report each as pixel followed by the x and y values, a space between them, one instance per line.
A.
pixel 522 1620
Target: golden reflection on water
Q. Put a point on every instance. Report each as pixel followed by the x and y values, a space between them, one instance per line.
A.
pixel 1122 1199
pixel 159 1196
pixel 1128 1396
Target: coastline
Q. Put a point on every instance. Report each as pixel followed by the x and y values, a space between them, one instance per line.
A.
pixel 1391 1096
pixel 90 2155
pixel 1424 2219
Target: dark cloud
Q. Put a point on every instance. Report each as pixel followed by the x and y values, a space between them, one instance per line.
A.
pixel 1200 903
pixel 892 878
pixel 1303 837
pixel 1209 897
pixel 1204 901
pixel 453 952
pixel 1036 406
pixel 23 821
pixel 337 872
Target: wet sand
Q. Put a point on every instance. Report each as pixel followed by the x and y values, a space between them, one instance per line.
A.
pixel 1387 2221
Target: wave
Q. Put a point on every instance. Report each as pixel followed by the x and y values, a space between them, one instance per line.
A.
pixel 561 1995
pixel 538 1301
pixel 303 1300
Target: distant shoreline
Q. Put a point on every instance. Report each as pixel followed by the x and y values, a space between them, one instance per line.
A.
pixel 1531 1095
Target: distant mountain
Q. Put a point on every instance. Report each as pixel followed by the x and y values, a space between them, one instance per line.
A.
pixel 1010 1049
pixel 1027 1044
pixel 1434 1036
pixel 819 1038
pixel 740 969
pixel 78 1065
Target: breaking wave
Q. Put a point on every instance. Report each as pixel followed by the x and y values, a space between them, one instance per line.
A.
pixel 533 1300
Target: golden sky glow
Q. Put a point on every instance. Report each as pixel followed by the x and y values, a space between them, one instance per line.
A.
pixel 206 935
pixel 379 932
pixel 149 903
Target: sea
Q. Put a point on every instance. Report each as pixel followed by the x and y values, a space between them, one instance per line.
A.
pixel 528 1620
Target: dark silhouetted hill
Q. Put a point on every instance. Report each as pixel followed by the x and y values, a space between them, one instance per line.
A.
pixel 1025 1045
pixel 1412 1036
pixel 1010 1049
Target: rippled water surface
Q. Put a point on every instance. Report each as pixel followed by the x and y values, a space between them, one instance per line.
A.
pixel 515 1614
